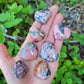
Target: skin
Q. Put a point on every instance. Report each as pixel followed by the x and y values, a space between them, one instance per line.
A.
pixel 7 62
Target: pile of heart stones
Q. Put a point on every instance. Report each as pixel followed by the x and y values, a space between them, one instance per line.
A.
pixel 47 52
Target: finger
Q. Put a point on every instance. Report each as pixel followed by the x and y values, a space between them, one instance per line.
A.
pixel 6 61
pixel 37 24
pixel 54 65
pixel 57 45
pixel 56 21
pixel 4 55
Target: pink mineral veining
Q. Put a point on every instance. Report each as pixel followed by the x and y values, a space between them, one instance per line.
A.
pixel 59 35
pixel 30 55
pixel 29 52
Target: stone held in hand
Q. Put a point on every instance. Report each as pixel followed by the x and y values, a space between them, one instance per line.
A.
pixel 42 71
pixel 29 52
pixel 48 52
pixel 61 32
pixel 42 15
pixel 36 34
pixel 20 69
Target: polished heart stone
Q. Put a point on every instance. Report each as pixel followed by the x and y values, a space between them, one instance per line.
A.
pixel 29 52
pixel 20 69
pixel 42 71
pixel 36 34
pixel 42 15
pixel 61 32
pixel 48 52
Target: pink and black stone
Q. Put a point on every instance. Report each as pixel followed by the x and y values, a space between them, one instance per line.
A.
pixel 42 15
pixel 29 52
pixel 42 71
pixel 36 34
pixel 48 52
pixel 20 69
pixel 61 32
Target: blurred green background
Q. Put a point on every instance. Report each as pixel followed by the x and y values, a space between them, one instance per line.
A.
pixel 16 17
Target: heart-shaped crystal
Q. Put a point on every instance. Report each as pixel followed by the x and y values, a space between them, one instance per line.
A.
pixel 36 34
pixel 20 69
pixel 42 15
pixel 29 52
pixel 48 52
pixel 61 32
pixel 42 71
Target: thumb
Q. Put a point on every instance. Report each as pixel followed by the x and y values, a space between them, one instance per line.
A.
pixel 6 63
pixel 5 58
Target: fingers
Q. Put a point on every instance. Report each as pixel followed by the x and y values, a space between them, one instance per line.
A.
pixel 46 27
pixel 52 65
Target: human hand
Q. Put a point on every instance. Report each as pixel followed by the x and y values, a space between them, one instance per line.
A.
pixel 7 62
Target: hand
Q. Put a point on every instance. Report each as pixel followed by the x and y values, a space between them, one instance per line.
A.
pixel 7 62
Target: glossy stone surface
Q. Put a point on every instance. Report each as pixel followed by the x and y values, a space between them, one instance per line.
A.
pixel 42 15
pixel 20 69
pixel 42 71
pixel 48 52
pixel 29 52
pixel 61 32
pixel 36 34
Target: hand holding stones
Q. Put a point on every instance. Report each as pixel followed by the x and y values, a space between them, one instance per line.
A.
pixel 47 52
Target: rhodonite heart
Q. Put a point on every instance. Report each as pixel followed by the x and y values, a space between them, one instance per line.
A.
pixel 48 52
pixel 42 71
pixel 42 15
pixel 20 69
pixel 61 32
pixel 29 52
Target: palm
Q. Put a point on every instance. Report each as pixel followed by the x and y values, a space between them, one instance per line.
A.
pixel 7 62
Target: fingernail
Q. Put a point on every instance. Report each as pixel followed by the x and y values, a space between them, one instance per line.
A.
pixel 48 52
pixel 36 34
pixel 42 15
pixel 20 69
pixel 29 52
pixel 61 32
pixel 42 71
